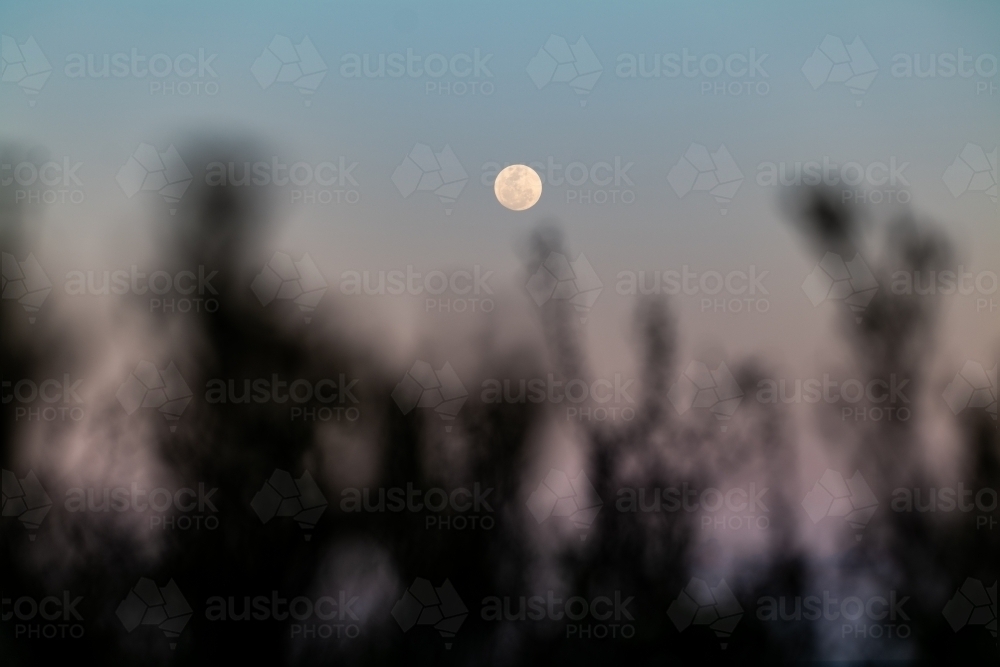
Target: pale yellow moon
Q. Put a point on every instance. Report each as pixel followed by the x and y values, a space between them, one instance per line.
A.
pixel 518 187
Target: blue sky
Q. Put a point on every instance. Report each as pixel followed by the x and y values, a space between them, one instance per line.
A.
pixel 503 116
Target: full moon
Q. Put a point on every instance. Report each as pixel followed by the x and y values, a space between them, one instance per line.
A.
pixel 518 187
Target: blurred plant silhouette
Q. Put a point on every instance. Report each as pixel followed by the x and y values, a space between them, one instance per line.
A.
pixel 376 556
